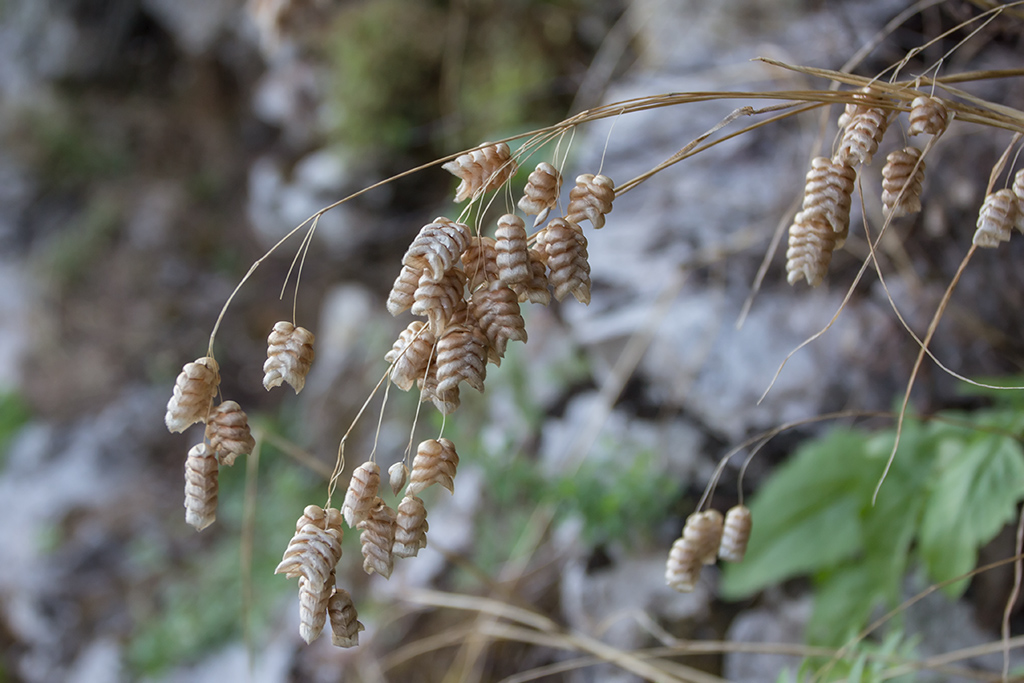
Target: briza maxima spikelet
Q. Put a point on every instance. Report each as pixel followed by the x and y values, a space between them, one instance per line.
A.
pixel 329 518
pixel 228 433
pixel 461 357
pixel 345 626
pixel 497 312
pixel 315 549
pixel 481 170
pixel 735 534
pixel 398 474
pixel 313 602
pixel 854 108
pixel 435 463
pixel 410 527
pixel 1018 192
pixel 289 356
pixel 439 301
pixel 591 199
pixel 683 567
pixel 862 135
pixel 362 490
pixel 997 218
pixel 403 292
pixel 828 193
pixel 377 536
pixel 928 115
pixel 410 355
pixel 541 191
pixel 902 177
pixel 193 394
pixel 565 254
pixel 698 545
pixel 480 262
pixel 446 402
pixel 511 252
pixel 811 243
pixel 200 487
pixel 536 289
pixel 437 247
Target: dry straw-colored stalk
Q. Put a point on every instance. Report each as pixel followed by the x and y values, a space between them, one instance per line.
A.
pixel 228 433
pixel 201 487
pixel 193 394
pixel 289 356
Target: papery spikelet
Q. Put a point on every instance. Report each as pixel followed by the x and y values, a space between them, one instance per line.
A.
pixel 901 182
pixel 435 463
pixel 228 433
pixel 193 394
pixel 927 115
pixel 862 135
pixel 1018 192
pixel 437 248
pixel 480 262
pixel 345 626
pixel 565 254
pixel 735 534
pixel 481 170
pixel 536 289
pixel 702 535
pixel 828 193
pixel 511 253
pixel 439 301
pixel 377 535
pixel 410 527
pixel 541 191
pixel 854 108
pixel 497 311
pixel 590 200
pixel 200 487
pixel 313 602
pixel 461 357
pixel 289 356
pixel 315 549
pixel 361 493
pixel 810 251
pixel 410 355
pixel 447 402
pixel 997 218
pixel 329 518
pixel 403 292
pixel 397 476
pixel 683 568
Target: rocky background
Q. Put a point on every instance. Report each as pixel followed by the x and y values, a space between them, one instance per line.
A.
pixel 152 150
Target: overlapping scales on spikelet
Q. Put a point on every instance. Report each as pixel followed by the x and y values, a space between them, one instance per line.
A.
pixel 410 355
pixel 435 463
pixel 735 534
pixel 902 177
pixel 591 199
pixel 289 356
pixel 480 262
pixel 511 252
pixel 228 433
pixel 193 394
pixel 541 191
pixel 998 216
pixel 361 493
pixel 928 115
pixel 437 248
pixel 481 170
pixel 315 549
pixel 345 626
pixel 698 545
pixel 565 253
pixel 377 536
pixel 497 312
pixel 536 289
pixel 440 300
pixel 201 487
pixel 462 357
pixel 410 527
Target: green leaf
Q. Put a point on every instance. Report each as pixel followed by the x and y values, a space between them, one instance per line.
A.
pixel 842 603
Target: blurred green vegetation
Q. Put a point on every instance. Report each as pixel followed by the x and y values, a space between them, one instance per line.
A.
pixel 70 151
pixel 14 414
pixel 70 254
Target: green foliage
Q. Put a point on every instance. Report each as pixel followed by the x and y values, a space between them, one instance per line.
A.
pixel 14 414
pixel 68 151
pixel 71 254
pixel 868 662
pixel 954 484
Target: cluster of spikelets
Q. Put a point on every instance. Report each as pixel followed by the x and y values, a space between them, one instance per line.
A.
pixel 1001 212
pixel 823 222
pixel 707 537
pixel 227 435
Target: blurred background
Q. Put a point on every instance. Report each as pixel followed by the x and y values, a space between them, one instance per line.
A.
pixel 152 150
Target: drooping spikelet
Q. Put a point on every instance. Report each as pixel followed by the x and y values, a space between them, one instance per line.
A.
pixel 228 433
pixel 535 289
pixel 315 549
pixel 397 476
pixel 329 518
pixel 591 199
pixel 828 193
pixel 361 493
pixel 481 170
pixel 313 601
pixel 410 355
pixel 541 191
pixel 565 254
pixel 345 626
pixel 683 567
pixel 410 527
pixel 901 182
pixel 403 291
pixel 377 536
pixel 856 107
pixel 511 253
pixel 193 394
pixel 200 487
pixel 447 402
pixel 497 311
pixel 437 248
pixel 811 243
pixel 435 463
pixel 698 545
pixel 480 262
pixel 289 355
pixel 927 115
pixel 1018 192
pixel 862 135
pixel 735 534
pixel 997 218
pixel 439 301
pixel 462 357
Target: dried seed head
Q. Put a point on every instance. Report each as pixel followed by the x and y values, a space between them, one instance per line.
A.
pixel 437 248
pixel 362 490
pixel 511 253
pixel 590 200
pixel 403 291
pixel 928 115
pixel 462 357
pixel 683 567
pixel 345 626
pixel 410 527
pixel 497 310
pixel 862 135
pixel 854 108
pixel 439 301
pixel 315 549
pixel 435 463
pixel 316 515
pixel 541 191
pixel 289 355
pixel 481 170
pixel 565 254
pixel 200 487
pixel 410 355
pixel 480 262
pixel 828 193
pixel 193 394
pixel 447 402
pixel 811 244
pixel 376 537
pixel 536 289
pixel 902 176
pixel 705 529
pixel 1018 192
pixel 313 601
pixel 735 534
pixel 397 476
pixel 228 433
pixel 998 216
pixel 698 545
